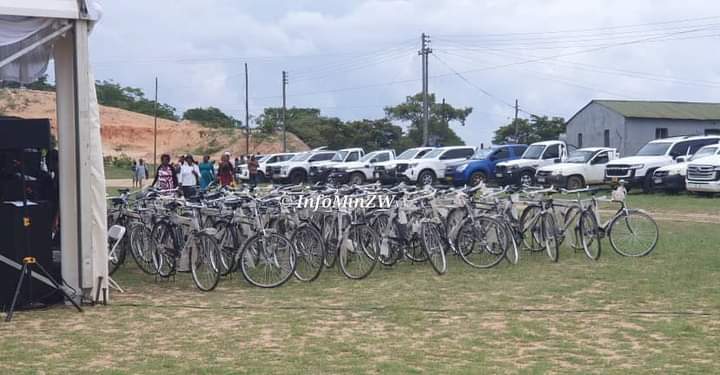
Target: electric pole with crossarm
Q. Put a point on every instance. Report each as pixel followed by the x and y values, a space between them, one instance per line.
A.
pixel 424 52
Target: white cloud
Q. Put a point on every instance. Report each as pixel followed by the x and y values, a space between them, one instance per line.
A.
pixel 326 44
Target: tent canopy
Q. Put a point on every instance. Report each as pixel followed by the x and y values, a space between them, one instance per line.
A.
pixel 32 32
pixel 67 9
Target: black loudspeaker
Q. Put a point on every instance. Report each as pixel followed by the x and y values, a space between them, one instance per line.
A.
pixel 18 134
pixel 13 247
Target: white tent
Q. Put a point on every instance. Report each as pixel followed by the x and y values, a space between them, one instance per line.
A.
pixel 32 32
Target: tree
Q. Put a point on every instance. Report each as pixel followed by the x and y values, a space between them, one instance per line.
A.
pixel 132 99
pixel 211 117
pixel 411 112
pixel 538 128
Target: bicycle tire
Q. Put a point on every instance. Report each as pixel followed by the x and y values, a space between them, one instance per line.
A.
pixel 624 222
pixel 482 242
pixel 389 246
pixel 590 235
pixel 359 250
pixel 204 262
pixel 141 248
pixel 434 246
pixel 310 252
pixel 267 254
pixel 331 238
pixel 531 236
pixel 229 243
pixel 573 214
pixel 163 236
pixel 549 236
pixel 415 253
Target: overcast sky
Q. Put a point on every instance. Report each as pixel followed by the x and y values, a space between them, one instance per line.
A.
pixel 352 58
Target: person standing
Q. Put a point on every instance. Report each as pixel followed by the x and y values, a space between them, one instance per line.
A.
pixel 207 173
pixel 141 173
pixel 225 170
pixel 165 176
pixel 189 177
pixel 252 166
pixel 133 170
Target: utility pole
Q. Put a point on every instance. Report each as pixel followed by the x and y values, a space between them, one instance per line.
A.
pixel 517 131
pixel 424 52
pixel 247 115
pixel 284 109
pixel 155 107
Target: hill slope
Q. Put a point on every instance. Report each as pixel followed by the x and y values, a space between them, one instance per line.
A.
pixel 131 134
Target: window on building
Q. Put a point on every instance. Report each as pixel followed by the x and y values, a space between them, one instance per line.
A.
pixel 579 142
pixel 661 133
pixel 606 138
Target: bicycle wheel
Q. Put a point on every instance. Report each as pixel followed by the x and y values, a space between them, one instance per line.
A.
pixel 358 251
pixel 434 246
pixel 512 254
pixel 331 237
pixel 531 229
pixel 590 235
pixel 141 248
pixel 267 260
pixel 229 243
pixel 549 236
pixel 571 221
pixel 310 249
pixel 205 262
pixel 482 242
pixel 389 244
pixel 412 231
pixel 633 233
pixel 165 249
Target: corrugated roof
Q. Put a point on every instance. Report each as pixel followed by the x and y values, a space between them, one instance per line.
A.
pixel 663 110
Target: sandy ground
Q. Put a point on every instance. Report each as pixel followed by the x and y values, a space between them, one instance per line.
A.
pixel 129 133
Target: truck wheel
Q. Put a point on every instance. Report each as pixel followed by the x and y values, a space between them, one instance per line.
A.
pixel 526 178
pixel 575 182
pixel 426 178
pixel 297 177
pixel 647 185
pixel 357 178
pixel 477 177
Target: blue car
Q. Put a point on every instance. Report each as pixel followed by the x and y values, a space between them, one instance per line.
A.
pixel 481 166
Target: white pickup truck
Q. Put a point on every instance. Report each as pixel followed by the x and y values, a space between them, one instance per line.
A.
pixel 263 164
pixel 431 167
pixel 671 178
pixel 703 175
pixel 389 172
pixel 295 170
pixel 637 171
pixel 319 172
pixel 358 172
pixel 585 166
pixel 522 171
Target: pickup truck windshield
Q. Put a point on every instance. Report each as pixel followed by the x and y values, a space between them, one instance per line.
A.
pixel 408 154
pixel 580 156
pixel 533 152
pixel 703 152
pixel 482 154
pixel 339 156
pixel 654 149
pixel 302 157
pixel 433 154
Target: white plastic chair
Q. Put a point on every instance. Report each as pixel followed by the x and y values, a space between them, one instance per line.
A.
pixel 115 235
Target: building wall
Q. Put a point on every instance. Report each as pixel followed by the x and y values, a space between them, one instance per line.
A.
pixel 592 122
pixel 641 131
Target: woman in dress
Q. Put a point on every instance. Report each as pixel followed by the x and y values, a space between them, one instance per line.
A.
pixel 165 177
pixel 207 173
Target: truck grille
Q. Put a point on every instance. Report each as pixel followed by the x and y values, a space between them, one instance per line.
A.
pixel 401 168
pixel 702 173
pixel 276 170
pixel 450 170
pixel 500 169
pixel 618 171
pixel 543 173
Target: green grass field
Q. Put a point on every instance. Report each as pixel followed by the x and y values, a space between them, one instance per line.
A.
pixel 658 314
